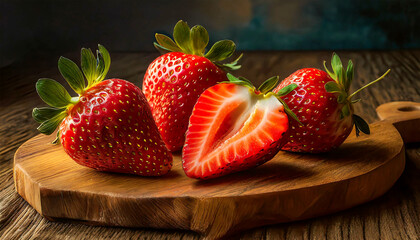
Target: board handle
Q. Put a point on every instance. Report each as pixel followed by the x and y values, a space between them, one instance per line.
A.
pixel 405 116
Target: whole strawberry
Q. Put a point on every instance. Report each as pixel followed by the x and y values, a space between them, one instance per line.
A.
pixel 174 81
pixel 324 106
pixel 109 126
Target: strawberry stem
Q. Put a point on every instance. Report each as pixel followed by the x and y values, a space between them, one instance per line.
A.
pixel 367 85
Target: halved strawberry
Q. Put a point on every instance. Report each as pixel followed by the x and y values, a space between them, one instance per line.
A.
pixel 234 127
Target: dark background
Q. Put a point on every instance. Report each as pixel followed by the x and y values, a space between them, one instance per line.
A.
pixel 47 28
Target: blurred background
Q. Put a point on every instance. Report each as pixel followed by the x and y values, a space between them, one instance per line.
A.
pixel 48 29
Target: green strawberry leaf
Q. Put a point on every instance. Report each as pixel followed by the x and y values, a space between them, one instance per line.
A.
pixel 332 75
pixel 268 84
pixel 332 87
pixel 182 36
pixel 337 67
pixel 349 75
pixel 161 49
pixel 200 39
pixel 100 66
pixel 104 62
pixel 357 131
pixel 244 79
pixel 72 74
pixel 57 138
pixel 240 81
pixel 234 62
pixel 286 90
pixel 345 110
pixel 341 76
pixel 50 125
pixel 194 41
pixel 53 93
pixel 42 114
pixel 221 50
pixel 227 66
pixel 230 66
pixel 167 43
pixel 341 98
pixel 361 125
pixel 233 78
pixel 88 63
pixel 288 111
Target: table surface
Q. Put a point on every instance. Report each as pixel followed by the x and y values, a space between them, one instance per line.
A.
pixel 395 215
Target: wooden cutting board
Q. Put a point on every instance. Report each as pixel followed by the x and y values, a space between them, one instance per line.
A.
pixel 288 188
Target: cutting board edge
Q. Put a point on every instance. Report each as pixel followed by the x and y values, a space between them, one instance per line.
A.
pixel 384 123
pixel 206 231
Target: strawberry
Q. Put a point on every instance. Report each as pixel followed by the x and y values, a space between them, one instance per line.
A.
pixel 234 127
pixel 174 81
pixel 109 126
pixel 324 106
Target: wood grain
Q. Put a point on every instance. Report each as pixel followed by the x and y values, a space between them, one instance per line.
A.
pixel 392 216
pixel 290 187
pixel 403 116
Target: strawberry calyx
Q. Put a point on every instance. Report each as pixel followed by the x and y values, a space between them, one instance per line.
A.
pixel 266 90
pixel 341 86
pixel 194 41
pixel 57 97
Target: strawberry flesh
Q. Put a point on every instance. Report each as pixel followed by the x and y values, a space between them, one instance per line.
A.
pixel 232 129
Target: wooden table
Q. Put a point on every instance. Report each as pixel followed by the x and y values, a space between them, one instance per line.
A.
pixel 396 215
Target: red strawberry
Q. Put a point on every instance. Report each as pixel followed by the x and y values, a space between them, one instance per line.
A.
pixel 174 81
pixel 234 127
pixel 109 126
pixel 324 106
